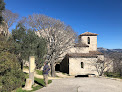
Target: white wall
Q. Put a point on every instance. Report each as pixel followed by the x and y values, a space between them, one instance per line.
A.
pixel 75 66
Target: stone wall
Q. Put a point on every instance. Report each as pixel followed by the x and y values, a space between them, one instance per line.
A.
pixel 88 68
pixel 93 42
pixel 4 29
pixel 79 50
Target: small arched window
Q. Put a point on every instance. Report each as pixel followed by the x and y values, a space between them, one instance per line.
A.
pixel 88 40
pixel 82 65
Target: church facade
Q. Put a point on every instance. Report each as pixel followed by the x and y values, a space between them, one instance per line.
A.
pixel 82 58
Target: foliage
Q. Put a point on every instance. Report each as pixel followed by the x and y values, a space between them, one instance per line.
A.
pixel 58 35
pixel 27 43
pixel 5 45
pixel 113 74
pixel 12 76
pixel 39 72
pixel 2 7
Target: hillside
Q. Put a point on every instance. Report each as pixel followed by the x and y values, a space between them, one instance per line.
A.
pixel 105 50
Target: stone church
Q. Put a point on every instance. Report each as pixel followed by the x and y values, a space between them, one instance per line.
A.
pixel 81 58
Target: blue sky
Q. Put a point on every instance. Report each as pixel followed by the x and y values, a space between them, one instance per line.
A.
pixel 103 17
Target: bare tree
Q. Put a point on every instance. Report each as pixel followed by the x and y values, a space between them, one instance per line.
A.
pixel 59 36
pixel 9 17
pixel 117 62
pixel 103 65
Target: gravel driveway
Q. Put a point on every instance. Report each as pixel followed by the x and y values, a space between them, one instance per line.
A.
pixel 83 85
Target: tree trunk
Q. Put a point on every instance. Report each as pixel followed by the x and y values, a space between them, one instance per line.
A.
pixel 120 72
pixel 0 16
pixel 53 69
pixel 21 63
pixel 101 73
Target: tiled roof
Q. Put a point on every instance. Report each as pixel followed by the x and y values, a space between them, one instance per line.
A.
pixel 80 45
pixel 88 34
pixel 90 54
pixel 85 55
pixel 96 52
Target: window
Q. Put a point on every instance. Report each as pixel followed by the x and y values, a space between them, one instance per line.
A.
pixel 81 64
pixel 88 40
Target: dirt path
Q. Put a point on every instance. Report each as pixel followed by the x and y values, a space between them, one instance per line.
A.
pixel 40 76
pixel 59 74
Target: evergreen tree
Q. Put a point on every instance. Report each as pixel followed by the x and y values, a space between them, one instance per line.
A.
pixel 2 7
pixel 11 76
pixel 27 43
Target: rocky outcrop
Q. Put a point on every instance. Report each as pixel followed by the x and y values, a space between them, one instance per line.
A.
pixel 4 29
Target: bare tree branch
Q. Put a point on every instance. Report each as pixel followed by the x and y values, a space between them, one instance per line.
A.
pixel 59 36
pixel 9 17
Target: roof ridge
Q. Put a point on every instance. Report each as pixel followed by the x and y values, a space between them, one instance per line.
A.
pixel 88 34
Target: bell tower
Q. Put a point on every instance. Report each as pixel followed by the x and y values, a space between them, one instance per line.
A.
pixel 89 39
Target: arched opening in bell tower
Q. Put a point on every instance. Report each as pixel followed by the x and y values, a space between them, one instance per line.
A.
pixel 88 40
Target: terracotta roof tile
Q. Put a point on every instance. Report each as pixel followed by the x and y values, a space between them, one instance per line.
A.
pixel 90 54
pixel 80 45
pixel 88 34
pixel 96 52
pixel 85 55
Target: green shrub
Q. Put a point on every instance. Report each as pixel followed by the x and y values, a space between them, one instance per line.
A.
pixel 112 74
pixel 11 74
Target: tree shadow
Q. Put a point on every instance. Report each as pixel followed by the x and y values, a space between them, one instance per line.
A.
pixel 39 83
pixel 23 85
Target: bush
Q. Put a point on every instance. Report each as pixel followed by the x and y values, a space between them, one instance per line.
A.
pixel 10 72
pixel 112 74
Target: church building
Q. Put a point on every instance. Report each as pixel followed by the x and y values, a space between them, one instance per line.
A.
pixel 82 58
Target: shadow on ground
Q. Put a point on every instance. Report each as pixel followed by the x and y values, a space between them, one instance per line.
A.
pixel 81 76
